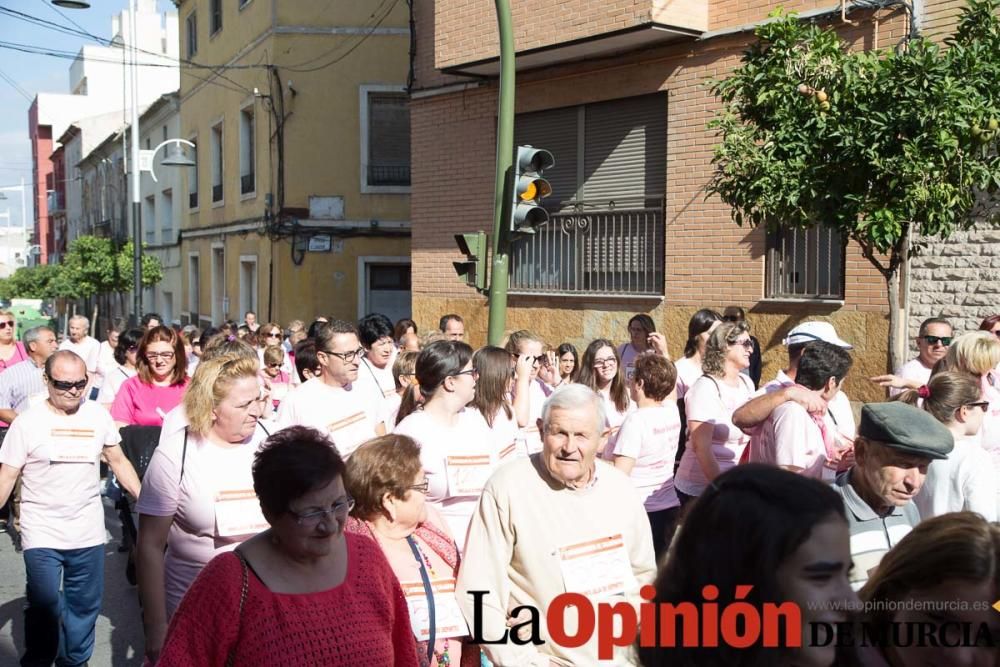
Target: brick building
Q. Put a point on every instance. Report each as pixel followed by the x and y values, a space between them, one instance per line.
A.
pixel 618 92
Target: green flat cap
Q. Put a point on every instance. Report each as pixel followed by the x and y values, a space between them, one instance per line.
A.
pixel 906 428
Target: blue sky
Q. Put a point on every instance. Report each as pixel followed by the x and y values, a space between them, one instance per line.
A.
pixel 39 73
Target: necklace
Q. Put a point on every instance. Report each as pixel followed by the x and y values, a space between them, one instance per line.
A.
pixel 443 658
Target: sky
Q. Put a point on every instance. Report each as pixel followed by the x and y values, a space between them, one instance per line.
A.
pixel 38 73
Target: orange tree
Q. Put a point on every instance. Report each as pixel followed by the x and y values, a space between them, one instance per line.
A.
pixel 889 147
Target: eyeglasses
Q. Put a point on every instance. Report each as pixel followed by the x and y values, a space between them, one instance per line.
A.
pixel 605 363
pixel 346 357
pixel 273 334
pixel 934 340
pixel 165 356
pixel 423 487
pixel 471 371
pixel 4 325
pixel 63 385
pixel 748 344
pixel 985 405
pixel 340 509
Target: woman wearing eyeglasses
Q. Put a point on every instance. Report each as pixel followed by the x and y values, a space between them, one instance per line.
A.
pixel 389 487
pixel 159 384
pixel 715 444
pixel 11 351
pixel 125 353
pixel 965 480
pixel 269 335
pixel 601 370
pixel 302 592
pixel 197 499
pixel 456 449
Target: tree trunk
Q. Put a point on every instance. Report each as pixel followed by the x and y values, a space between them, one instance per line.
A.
pixel 897 322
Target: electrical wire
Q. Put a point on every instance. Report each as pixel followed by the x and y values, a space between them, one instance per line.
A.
pixel 300 69
pixel 15 86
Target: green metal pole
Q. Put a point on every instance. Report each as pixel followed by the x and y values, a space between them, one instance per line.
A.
pixel 505 157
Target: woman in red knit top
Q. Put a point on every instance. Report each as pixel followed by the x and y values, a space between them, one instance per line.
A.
pixel 302 592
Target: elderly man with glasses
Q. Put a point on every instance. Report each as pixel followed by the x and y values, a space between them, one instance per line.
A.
pixel 333 403
pixel 57 446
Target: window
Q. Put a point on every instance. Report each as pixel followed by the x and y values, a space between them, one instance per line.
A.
pixel 805 264
pixel 149 144
pixel 167 217
pixel 605 234
pixel 217 163
pixel 149 218
pixel 248 283
pixel 243 3
pixel 248 182
pixel 385 138
pixel 194 287
pixel 192 178
pixel 216 8
pixel 192 34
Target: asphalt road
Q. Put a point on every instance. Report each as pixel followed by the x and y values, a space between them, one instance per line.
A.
pixel 119 627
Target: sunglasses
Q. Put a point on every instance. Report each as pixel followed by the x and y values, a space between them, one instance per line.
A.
pixel 748 344
pixel 934 340
pixel 4 325
pixel 274 365
pixel 62 385
pixel 273 334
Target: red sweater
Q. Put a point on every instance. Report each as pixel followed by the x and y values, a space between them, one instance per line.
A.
pixel 363 621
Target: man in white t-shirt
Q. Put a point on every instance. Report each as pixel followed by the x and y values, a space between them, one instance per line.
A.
pixel 800 441
pixel 933 339
pixel 782 388
pixel 57 446
pixel 332 402
pixel 86 347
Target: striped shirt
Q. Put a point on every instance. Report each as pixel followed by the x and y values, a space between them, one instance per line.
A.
pixel 872 534
pixel 19 383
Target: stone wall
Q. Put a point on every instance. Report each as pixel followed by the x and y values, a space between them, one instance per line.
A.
pixel 958 278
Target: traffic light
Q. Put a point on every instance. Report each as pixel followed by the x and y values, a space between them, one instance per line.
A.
pixel 530 188
pixel 473 269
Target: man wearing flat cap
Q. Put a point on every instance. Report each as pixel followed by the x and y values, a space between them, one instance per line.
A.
pixel 895 444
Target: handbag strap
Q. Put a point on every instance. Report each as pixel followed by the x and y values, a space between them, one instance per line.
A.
pixel 184 453
pixel 429 592
pixel 244 587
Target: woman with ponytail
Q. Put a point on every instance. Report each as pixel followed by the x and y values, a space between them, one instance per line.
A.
pixel 966 479
pixel 455 445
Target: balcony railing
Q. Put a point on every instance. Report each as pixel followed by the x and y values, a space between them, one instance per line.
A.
pixel 217 193
pixel 248 183
pixel 608 252
pixel 398 176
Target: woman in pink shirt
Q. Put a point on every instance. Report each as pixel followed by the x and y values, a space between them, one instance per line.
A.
pixel 159 384
pixel 11 351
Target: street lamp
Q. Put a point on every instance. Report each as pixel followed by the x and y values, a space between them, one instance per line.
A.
pixel 176 159
pixel 71 4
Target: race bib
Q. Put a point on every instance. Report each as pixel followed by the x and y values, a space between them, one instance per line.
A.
pixel 348 433
pixel 597 568
pixel 448 618
pixel 73 445
pixel 237 512
pixel 467 475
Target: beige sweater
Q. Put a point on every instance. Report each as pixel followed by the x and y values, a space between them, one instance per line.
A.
pixel 522 520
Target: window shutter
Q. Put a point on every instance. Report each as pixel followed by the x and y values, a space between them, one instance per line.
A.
pixel 389 139
pixel 555 130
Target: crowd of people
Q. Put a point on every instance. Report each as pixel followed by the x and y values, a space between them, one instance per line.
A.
pixel 368 494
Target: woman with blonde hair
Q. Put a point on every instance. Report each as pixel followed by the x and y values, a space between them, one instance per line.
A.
pixel 965 480
pixel 197 498
pixel 951 565
pixel 715 444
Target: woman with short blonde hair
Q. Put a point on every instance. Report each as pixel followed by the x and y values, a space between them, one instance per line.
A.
pixel 197 498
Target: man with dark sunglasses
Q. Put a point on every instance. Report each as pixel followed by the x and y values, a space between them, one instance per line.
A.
pixel 933 339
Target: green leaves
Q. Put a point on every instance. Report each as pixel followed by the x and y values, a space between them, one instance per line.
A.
pixel 869 142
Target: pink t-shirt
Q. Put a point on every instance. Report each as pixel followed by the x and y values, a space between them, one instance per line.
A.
pixel 59 457
pixel 614 418
pixel 650 437
pixel 213 505
pixel 790 438
pixel 712 401
pixel 142 404
pixel 687 372
pixel 628 355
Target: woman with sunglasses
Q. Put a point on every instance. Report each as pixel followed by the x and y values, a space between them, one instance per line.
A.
pixel 530 391
pixel 125 353
pixel 11 351
pixel 197 499
pixel 271 334
pixel 273 373
pixel 160 381
pixel 715 444
pixel 965 480
pixel 456 450
pixel 601 370
pixel 303 591
pixel 389 487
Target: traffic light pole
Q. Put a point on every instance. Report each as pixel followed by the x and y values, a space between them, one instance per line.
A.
pixel 505 156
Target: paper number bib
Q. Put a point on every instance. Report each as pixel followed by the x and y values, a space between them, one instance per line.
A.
pixel 237 512
pixel 467 475
pixel 73 445
pixel 448 618
pixel 596 568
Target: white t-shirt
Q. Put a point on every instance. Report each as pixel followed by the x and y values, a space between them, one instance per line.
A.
pixel 59 458
pixel 650 436
pixel 214 506
pixel 88 348
pixel 391 410
pixel 965 481
pixel 113 380
pixel 712 401
pixel 791 438
pixel 538 393
pixel 687 372
pixel 912 370
pixel 105 362
pixel 628 355
pixel 457 461
pixel 343 413
pixel 374 382
pixel 505 435
pixel 613 418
